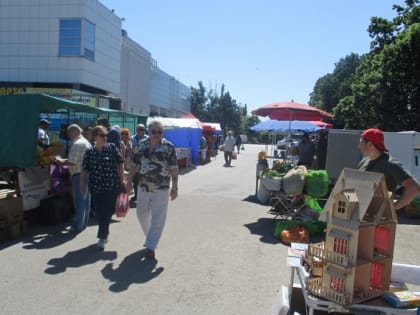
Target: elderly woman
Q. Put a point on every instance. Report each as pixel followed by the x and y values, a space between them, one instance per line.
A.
pixel 103 164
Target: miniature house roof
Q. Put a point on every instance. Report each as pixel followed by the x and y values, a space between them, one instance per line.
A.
pixel 363 187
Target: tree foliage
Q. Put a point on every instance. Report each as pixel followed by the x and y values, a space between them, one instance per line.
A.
pixel 219 106
pixel 381 88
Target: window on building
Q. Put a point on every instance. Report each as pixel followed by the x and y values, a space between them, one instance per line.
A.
pixel 337 284
pixel 341 207
pixel 77 38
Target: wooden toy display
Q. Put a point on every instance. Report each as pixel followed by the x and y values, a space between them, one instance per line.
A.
pixel 355 261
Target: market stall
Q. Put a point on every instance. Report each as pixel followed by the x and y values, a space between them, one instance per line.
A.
pixel 26 175
pixel 352 269
pixel 184 133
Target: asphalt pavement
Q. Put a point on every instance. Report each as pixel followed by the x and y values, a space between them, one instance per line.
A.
pixel 217 255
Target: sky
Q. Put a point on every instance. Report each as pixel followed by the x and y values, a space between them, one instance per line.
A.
pixel 263 51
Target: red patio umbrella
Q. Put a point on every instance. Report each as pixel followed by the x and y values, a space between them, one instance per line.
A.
pixel 291 111
pixel 322 124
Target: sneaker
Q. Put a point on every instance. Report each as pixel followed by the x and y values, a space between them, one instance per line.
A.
pixel 150 253
pixel 101 243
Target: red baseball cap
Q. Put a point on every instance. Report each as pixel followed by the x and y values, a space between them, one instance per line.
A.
pixel 375 136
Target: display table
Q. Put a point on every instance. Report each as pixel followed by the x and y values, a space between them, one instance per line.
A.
pixel 184 156
pixel 377 305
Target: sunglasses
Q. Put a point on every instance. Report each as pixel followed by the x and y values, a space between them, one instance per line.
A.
pixel 102 135
pixel 156 132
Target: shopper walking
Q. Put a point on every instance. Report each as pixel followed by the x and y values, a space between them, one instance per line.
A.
pixel 238 143
pixel 158 167
pixel 135 140
pixel 103 164
pixel 229 146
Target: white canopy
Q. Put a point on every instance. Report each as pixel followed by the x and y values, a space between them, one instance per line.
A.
pixel 173 123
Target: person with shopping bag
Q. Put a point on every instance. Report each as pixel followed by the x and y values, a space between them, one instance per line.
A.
pixel 103 167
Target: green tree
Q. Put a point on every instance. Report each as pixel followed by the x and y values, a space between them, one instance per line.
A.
pixel 385 87
pixel 198 101
pixel 332 87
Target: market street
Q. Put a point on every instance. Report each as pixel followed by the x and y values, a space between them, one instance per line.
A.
pixel 217 255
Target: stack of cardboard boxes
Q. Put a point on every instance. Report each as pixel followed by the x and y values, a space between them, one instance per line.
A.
pixel 12 223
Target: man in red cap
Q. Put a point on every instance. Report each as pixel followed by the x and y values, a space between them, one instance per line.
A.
pixel 376 159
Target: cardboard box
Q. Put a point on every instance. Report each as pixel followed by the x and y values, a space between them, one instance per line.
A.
pixel 15 230
pixel 11 209
pixel 4 230
pixel 403 298
pixel 34 184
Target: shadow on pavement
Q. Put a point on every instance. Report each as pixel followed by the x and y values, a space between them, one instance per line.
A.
pixel 186 169
pixel 253 199
pixel 49 238
pixel 135 268
pixel 403 219
pixel 264 227
pixel 81 257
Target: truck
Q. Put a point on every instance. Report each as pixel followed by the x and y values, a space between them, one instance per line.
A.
pixel 343 151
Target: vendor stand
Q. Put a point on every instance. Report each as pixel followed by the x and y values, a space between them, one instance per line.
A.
pixel 352 270
pixel 34 177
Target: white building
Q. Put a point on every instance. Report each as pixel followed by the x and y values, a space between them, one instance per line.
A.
pixel 77 49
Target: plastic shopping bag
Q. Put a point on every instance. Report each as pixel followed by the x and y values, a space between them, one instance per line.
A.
pixel 121 205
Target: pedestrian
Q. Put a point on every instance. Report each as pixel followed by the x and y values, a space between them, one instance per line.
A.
pixel 229 146
pixel 238 143
pixel 103 166
pixel 158 168
pixel 377 159
pixel 135 140
pixel 43 138
pixel 321 149
pixel 78 146
pixel 88 134
pixel 127 145
pixel 306 151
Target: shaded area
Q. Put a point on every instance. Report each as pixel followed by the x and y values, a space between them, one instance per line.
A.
pixel 404 219
pixel 135 268
pixel 81 257
pixel 48 239
pixel 265 228
pixel 253 199
pixel 186 169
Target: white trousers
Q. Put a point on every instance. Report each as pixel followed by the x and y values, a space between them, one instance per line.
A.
pixel 151 212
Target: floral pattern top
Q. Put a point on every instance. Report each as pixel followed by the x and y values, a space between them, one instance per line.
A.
pixel 155 166
pixel 102 168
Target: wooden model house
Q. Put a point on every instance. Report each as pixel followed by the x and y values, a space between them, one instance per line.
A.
pixel 358 250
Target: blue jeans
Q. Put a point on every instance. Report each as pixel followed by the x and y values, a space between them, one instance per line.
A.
pixel 104 204
pixel 81 205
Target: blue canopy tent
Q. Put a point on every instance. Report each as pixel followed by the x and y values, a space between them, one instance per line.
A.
pixel 273 125
pixel 182 132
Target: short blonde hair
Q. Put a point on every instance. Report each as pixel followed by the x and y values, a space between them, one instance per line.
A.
pixel 98 130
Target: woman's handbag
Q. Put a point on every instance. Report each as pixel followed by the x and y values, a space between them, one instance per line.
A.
pixel 121 205
pixel 234 155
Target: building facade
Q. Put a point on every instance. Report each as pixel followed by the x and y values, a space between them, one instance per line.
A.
pixel 77 49
pixel 168 96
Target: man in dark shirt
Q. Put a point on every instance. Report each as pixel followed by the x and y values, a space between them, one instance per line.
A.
pixel 376 159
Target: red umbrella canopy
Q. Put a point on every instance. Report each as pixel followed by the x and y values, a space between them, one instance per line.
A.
pixel 205 126
pixel 291 111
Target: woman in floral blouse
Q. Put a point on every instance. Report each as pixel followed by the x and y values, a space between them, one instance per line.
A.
pixel 103 165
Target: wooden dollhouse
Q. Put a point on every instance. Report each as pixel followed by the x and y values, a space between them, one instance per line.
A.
pixel 357 253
